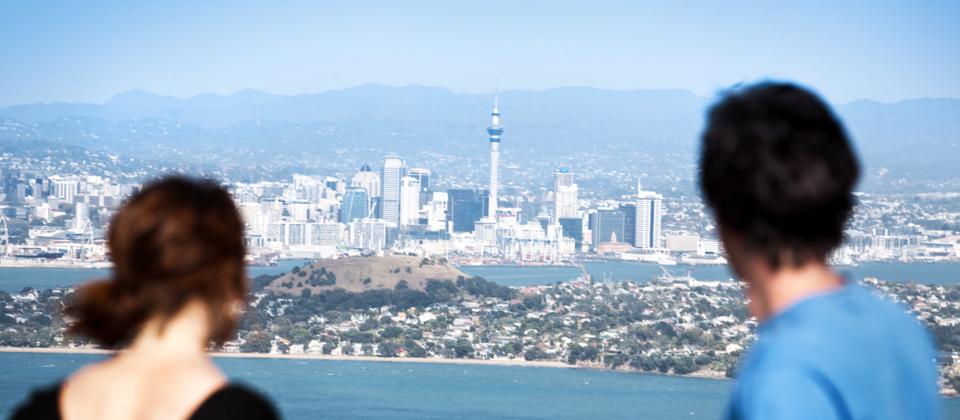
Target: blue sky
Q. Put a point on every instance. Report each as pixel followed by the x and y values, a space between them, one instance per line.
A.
pixel 90 51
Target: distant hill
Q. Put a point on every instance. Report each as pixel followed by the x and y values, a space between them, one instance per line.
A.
pixel 359 274
pixel 907 139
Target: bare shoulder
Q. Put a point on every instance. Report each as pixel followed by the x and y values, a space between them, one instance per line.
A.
pixel 134 387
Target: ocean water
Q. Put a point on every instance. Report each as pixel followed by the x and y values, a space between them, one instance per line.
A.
pixel 311 389
pixel 15 279
pixel 320 389
pixel 535 275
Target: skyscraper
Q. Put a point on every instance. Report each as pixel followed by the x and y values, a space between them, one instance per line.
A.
pixel 494 130
pixel 565 201
pixel 464 208
pixel 562 177
pixel 423 177
pixel 607 227
pixel 409 200
pixel 391 171
pixel 367 179
pixel 355 205
pixel 648 219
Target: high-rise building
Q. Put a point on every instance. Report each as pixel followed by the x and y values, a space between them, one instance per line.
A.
pixel 565 201
pixel 409 200
pixel 649 213
pixel 391 172
pixel 367 179
pixel 368 234
pixel 355 205
pixel 573 228
pixel 465 208
pixel 607 227
pixel 494 130
pixel 562 177
pixel 423 177
pixel 629 223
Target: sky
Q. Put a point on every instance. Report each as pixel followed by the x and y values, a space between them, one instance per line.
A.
pixel 78 51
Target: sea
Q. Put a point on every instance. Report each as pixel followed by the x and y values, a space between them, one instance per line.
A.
pixel 324 389
pixel 18 278
pixel 311 389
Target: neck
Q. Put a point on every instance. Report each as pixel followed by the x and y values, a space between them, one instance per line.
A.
pixel 774 291
pixel 185 334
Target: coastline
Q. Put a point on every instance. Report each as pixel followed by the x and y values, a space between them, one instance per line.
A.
pixel 489 362
pixel 428 360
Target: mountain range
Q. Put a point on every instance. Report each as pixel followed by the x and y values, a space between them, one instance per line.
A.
pixel 911 138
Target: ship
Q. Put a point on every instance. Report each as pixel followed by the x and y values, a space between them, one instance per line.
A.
pixel 36 253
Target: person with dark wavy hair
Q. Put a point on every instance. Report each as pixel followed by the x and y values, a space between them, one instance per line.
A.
pixel 778 172
pixel 178 285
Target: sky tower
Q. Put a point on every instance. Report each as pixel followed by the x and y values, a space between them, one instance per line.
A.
pixel 494 130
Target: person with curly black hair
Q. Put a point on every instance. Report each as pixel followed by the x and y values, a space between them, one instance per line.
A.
pixel 778 172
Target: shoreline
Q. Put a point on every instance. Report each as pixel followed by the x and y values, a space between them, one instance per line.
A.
pixel 712 376
pixel 427 360
pixel 434 360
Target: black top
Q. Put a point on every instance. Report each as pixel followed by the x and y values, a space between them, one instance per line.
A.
pixel 230 402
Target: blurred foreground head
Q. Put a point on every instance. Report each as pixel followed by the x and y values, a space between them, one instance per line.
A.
pixel 178 240
pixel 778 171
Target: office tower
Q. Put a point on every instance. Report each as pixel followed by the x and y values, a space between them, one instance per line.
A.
pixel 648 219
pixel 562 177
pixel 409 200
pixel 368 234
pixel 391 171
pixel 367 179
pixel 607 227
pixel 355 205
pixel 629 223
pixel 423 177
pixel 494 130
pixel 573 228
pixel 465 208
pixel 299 210
pixel 437 211
pixel 565 201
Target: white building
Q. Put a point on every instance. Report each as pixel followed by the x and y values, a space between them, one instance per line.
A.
pixel 649 214
pixel 391 173
pixel 368 234
pixel 409 200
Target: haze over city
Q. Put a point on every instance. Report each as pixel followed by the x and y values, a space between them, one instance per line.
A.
pixel 621 193
pixel 91 51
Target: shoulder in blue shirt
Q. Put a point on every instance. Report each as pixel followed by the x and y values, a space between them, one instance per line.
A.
pixel 847 354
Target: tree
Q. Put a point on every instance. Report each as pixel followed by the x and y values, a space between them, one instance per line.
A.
pixel 463 349
pixel 257 342
pixel 414 349
pixel 391 332
pixel 535 354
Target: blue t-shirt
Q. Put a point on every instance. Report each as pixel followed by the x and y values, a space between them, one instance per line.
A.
pixel 846 354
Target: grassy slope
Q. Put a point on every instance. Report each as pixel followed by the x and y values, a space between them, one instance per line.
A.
pixel 383 272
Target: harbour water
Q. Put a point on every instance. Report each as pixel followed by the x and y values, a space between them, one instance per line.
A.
pixel 617 270
pixel 311 389
pixel 15 279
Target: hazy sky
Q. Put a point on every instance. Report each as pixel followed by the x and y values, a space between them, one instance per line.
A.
pixel 90 51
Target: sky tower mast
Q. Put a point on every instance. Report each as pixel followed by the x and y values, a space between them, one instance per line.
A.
pixel 494 130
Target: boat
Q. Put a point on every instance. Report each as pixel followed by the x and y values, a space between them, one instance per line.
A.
pixel 37 253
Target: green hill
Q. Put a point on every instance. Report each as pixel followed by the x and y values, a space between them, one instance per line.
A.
pixel 359 274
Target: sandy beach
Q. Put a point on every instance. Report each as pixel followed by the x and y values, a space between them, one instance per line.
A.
pixel 490 362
